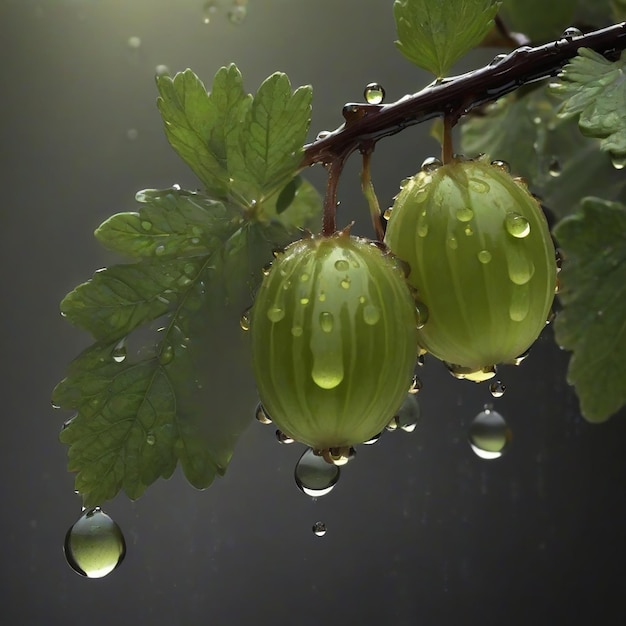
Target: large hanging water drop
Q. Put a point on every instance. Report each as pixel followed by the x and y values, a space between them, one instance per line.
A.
pixel 94 546
pixel 119 351
pixel 489 434
pixel 319 529
pixel 314 475
pixel 408 414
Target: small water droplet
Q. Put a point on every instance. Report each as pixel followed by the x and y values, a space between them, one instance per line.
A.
pixel 489 434
pixel 94 546
pixel 468 231
pixel 464 214
pixel 619 162
pixel 345 283
pixel 479 186
pixel 132 134
pixel 276 252
pixel 326 321
pixel 208 10
pixel 119 351
pixel 497 388
pixel 339 456
pixel 322 297
pixel 319 529
pixel 453 243
pixel 162 70
pixel 431 164
pixel 297 331
pixel 416 385
pixel 261 415
pixel 146 225
pixel 387 214
pixel 314 476
pixel 497 59
pixel 304 277
pixel 266 269
pixel 555 169
pixel 371 314
pixel 476 375
pixel 571 32
pixel 373 440
pixel 167 355
pixel 150 439
pixel 275 314
pixel 516 225
pixel 393 424
pixel 237 14
pixel 134 43
pixel 408 414
pixel 501 165
pixel 244 320
pixel 484 256
pixel 159 250
pixel 342 265
pixel 322 135
pixel 421 314
pixel 281 437
pixel 374 93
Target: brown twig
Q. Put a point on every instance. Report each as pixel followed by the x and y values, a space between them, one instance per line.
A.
pixel 457 95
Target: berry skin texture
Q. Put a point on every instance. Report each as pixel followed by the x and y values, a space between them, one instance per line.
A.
pixel 334 340
pixel 482 262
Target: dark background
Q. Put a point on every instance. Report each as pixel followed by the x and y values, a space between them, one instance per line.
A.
pixel 420 531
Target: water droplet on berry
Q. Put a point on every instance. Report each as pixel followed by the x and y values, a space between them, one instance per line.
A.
pixel 326 321
pixel 371 314
pixel 453 243
pixel 374 93
pixel 408 414
pixel 571 32
pixel 119 351
pixel 345 283
pixel 244 320
pixel 339 456
pixel 421 314
pixel 468 231
pixel 281 437
pixel 266 269
pixel 342 265
pixel 319 529
pixel 469 373
pixel 416 385
pixel 275 314
pixel 431 164
pixel 304 277
pixel 387 214
pixel 516 225
pixel 304 301
pixel 94 546
pixel 479 186
pixel 518 308
pixel 373 440
pixel 497 388
pixel 518 360
pixel 464 214
pixel 489 434
pixel 314 476
pixel 297 331
pixel 502 165
pixel 261 416
pixel 484 256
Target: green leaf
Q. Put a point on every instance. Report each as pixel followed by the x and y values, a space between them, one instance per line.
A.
pixel 434 35
pixel 619 10
pixel 242 148
pixel 594 88
pixel 298 205
pixel 592 323
pixel 142 392
pixel 266 150
pixel 561 165
pixel 539 20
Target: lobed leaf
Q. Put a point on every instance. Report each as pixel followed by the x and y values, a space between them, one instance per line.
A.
pixel 434 35
pixel 595 90
pixel 592 323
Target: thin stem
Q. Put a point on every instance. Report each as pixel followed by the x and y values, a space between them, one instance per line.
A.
pixel 368 190
pixel 446 145
pixel 329 223
pixel 460 94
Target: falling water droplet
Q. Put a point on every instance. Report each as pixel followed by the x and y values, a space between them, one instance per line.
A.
pixel 374 93
pixel 554 169
pixel 282 437
pixel 497 388
pixel 314 476
pixel 94 546
pixel 119 351
pixel 408 414
pixel 489 434
pixel 571 32
pixel 319 529
pixel 431 164
pixel 134 43
pixel 502 165
pixel 516 225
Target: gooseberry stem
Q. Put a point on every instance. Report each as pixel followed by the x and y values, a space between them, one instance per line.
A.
pixel 329 222
pixel 462 94
pixel 367 186
pixel 446 144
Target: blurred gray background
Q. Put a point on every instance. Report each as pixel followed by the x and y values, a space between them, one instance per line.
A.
pixel 420 531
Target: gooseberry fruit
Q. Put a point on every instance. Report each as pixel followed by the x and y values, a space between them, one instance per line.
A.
pixel 482 262
pixel 333 340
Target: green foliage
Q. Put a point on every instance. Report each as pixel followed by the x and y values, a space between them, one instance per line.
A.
pixel 521 16
pixel 434 35
pixel 561 165
pixel 593 293
pixel 240 147
pixel 594 89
